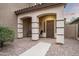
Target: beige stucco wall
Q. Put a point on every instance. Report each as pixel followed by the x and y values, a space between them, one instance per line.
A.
pixel 7 15
pixel 70 31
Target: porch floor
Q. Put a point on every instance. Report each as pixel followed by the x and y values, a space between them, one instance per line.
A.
pixel 70 48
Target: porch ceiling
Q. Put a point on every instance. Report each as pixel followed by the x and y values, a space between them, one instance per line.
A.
pixel 37 7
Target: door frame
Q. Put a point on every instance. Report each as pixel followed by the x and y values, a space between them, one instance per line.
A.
pixel 26 20
pixel 54 27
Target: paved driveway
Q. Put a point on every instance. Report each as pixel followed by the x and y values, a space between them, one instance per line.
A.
pixel 70 48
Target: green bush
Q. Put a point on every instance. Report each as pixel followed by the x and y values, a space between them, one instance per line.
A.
pixel 6 35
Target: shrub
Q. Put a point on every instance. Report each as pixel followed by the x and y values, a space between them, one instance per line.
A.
pixel 6 35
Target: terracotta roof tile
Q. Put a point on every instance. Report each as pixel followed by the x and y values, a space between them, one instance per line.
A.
pixel 36 7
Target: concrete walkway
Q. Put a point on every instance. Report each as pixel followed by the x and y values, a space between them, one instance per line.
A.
pixel 38 50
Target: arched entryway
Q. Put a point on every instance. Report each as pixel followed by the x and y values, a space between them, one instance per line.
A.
pixel 24 27
pixel 47 25
pixel 27 28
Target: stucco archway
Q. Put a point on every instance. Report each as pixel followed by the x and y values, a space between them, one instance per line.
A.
pixel 23 26
pixel 43 21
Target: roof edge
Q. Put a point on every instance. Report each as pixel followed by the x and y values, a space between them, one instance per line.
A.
pixel 36 7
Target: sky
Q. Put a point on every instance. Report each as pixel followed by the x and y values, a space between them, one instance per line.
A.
pixel 71 9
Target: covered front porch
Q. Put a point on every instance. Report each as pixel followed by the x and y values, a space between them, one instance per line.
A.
pixel 45 22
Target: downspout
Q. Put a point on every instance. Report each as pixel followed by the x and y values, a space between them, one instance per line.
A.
pixel 75 31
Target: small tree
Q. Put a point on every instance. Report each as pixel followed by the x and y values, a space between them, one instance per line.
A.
pixel 6 35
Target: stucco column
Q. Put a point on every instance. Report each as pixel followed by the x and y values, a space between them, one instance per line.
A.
pixel 35 28
pixel 19 28
pixel 60 28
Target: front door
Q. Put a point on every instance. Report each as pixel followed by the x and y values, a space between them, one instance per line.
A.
pixel 29 29
pixel 50 29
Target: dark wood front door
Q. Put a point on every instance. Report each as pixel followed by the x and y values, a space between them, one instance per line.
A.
pixel 29 32
pixel 27 28
pixel 50 29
